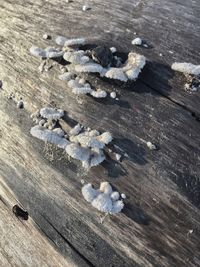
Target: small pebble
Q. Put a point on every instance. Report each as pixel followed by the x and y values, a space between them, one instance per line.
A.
pixel 113 49
pixel 191 231
pixel 151 146
pixel 118 156
pixel 123 196
pixel 113 95
pixel 46 36
pixel 160 54
pixel 137 41
pixel 20 104
pixel 145 45
pixel 85 8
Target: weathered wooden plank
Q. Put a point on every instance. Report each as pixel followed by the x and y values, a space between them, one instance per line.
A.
pixel 23 243
pixel 162 186
pixel 54 191
pixel 169 27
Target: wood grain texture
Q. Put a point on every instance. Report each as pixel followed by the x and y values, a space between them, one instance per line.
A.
pixel 23 243
pixel 162 187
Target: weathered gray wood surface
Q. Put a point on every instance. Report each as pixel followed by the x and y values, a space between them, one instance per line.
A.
pixel 162 187
pixel 23 243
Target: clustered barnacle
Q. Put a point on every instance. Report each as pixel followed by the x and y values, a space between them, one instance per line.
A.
pixel 98 60
pixel 103 199
pixel 86 146
pixel 49 52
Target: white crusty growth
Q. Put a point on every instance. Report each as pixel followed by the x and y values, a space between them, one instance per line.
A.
pixel 94 142
pixel 49 136
pixel 99 93
pixel 38 52
pixel 88 141
pixel 117 74
pixel 79 88
pixel 75 42
pixel 52 52
pixel 103 199
pixel 188 68
pixel 97 156
pixel 93 139
pixel 106 188
pixel 76 130
pixel 89 67
pixel 76 57
pixel 89 192
pixel 63 41
pixel 129 71
pixel 134 65
pixel 66 76
pixel 51 113
pixel 105 138
pixel 49 52
pixel 59 131
pixel 86 146
pixel 77 152
pixel 60 40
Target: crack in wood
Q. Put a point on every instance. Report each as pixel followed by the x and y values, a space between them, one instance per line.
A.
pixel 193 114
pixel 65 239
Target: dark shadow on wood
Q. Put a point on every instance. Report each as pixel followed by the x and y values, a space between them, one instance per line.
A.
pixel 111 102
pixel 114 168
pixel 134 152
pixel 189 185
pixel 157 75
pixel 69 120
pixel 61 61
pixel 136 214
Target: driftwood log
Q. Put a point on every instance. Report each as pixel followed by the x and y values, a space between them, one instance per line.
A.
pixel 160 223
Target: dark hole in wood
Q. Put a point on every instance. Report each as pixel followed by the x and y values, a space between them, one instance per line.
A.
pixel 19 212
